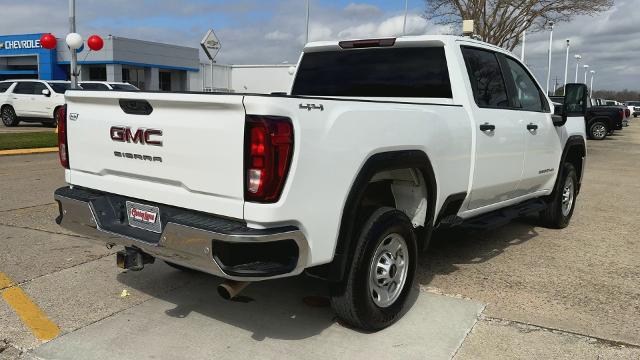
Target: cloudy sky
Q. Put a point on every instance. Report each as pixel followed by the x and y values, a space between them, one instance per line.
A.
pixel 272 31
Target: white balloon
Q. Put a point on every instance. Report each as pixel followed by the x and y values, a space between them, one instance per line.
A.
pixel 74 41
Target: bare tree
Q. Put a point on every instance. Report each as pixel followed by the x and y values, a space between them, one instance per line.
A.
pixel 502 22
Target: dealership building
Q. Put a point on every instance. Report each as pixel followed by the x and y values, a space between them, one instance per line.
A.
pixel 145 64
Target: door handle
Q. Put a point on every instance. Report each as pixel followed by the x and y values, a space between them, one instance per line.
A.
pixel 487 127
pixel 532 127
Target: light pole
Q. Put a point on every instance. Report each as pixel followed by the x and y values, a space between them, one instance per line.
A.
pixel 566 67
pixel 586 70
pixel 578 58
pixel 550 48
pixel 74 54
pixel 404 23
pixel 593 74
pixel 306 41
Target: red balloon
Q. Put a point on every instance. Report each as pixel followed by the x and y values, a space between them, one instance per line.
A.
pixel 48 41
pixel 95 42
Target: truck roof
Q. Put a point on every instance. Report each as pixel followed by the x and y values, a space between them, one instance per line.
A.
pixel 404 41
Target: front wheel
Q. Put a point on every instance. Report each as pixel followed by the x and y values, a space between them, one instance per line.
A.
pixel 375 290
pixel 598 130
pixel 9 117
pixel 563 201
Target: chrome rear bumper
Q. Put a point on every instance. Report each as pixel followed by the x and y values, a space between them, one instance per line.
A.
pixel 178 243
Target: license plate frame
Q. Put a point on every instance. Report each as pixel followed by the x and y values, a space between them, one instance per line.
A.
pixel 145 217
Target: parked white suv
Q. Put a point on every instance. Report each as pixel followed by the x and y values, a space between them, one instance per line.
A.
pixel 345 177
pixel 31 101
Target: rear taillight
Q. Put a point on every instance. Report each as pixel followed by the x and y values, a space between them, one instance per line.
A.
pixel 627 113
pixel 63 149
pixel 621 113
pixel 268 152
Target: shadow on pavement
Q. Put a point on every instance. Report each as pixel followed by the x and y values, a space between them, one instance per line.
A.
pixel 450 248
pixel 286 309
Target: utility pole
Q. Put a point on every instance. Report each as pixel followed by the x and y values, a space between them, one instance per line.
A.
pixel 74 54
pixel 549 64
pixel 404 23
pixel 593 74
pixel 566 67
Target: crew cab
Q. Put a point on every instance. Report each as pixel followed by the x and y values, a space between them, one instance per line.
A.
pixel 377 143
pixel 31 101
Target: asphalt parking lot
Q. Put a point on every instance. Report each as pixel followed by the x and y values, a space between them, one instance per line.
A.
pixel 520 291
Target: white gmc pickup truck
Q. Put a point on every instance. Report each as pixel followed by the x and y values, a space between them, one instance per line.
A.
pixel 345 177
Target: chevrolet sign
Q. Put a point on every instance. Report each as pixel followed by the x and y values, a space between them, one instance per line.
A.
pixel 20 44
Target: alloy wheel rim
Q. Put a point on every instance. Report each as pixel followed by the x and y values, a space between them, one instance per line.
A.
pixel 599 131
pixel 567 196
pixel 388 270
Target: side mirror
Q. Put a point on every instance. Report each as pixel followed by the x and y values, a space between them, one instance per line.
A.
pixel 46 92
pixel 576 99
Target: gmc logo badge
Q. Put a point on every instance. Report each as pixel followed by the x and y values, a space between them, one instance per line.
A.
pixel 141 136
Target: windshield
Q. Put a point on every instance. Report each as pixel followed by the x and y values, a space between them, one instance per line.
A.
pixel 633 103
pixel 126 87
pixel 60 88
pixel 94 86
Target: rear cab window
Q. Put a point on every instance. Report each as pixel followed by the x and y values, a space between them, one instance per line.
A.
pixel 410 72
pixel 487 83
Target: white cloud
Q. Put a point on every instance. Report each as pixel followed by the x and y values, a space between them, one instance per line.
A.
pixel 278 35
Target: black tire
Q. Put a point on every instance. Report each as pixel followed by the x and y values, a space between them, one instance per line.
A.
pixel 558 215
pixel 53 123
pixel 9 118
pixel 180 267
pixel 352 300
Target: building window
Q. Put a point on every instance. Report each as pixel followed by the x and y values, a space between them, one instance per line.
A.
pixel 98 73
pixel 165 81
pixel 133 76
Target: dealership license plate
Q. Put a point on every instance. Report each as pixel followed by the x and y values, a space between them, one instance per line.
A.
pixel 144 217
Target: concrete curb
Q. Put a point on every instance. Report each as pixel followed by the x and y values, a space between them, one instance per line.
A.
pixel 28 151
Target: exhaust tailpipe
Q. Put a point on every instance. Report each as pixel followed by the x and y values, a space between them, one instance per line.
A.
pixel 230 289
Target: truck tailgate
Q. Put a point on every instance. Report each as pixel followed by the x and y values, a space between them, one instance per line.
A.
pixel 198 165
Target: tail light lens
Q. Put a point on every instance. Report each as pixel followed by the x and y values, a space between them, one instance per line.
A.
pixel 621 114
pixel 627 113
pixel 268 152
pixel 63 149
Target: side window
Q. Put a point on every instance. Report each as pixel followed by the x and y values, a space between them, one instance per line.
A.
pixel 38 87
pixel 528 95
pixel 25 88
pixel 489 89
pixel 5 86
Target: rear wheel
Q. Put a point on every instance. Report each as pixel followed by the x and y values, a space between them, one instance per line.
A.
pixel 9 117
pixel 598 130
pixel 375 291
pixel 55 120
pixel 563 201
